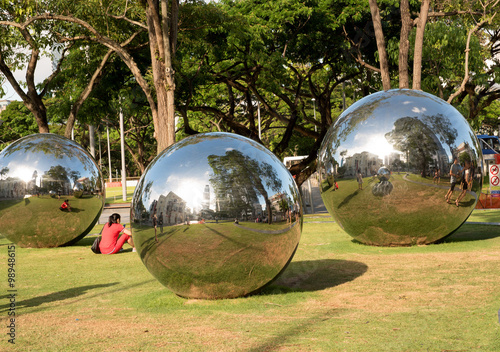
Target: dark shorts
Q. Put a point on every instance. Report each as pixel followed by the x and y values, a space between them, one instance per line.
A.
pixel 464 185
pixel 452 185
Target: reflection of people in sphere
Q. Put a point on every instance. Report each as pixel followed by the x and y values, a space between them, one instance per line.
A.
pixel 160 222
pixel 360 179
pixel 437 176
pixel 455 170
pixel 65 206
pixel 154 224
pixel 466 180
pixel 111 241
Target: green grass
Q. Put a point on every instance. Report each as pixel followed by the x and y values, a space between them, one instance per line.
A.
pixel 336 295
pixel 38 221
pixel 114 195
pixel 487 215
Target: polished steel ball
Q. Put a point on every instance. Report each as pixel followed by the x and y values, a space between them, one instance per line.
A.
pixel 78 190
pixel 216 215
pixel 37 174
pixel 399 140
pixel 384 174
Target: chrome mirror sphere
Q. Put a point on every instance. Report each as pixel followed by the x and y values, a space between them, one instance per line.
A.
pixel 384 186
pixel 51 191
pixel 390 154
pixel 216 215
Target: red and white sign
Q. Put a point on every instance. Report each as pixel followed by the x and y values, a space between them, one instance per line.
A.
pixel 494 169
pixel 494 181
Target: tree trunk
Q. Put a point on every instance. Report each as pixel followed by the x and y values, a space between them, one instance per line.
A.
pixel 404 44
pixel 379 35
pixel 92 140
pixel 163 74
pixel 419 44
pixel 38 109
pixel 31 99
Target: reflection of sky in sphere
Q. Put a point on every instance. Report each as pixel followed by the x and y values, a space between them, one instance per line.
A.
pixel 43 152
pixel 379 116
pixel 186 171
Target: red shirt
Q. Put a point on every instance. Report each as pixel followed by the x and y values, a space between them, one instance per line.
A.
pixel 64 205
pixel 110 236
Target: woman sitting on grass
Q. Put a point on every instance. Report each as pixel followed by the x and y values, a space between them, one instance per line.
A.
pixel 111 241
pixel 65 206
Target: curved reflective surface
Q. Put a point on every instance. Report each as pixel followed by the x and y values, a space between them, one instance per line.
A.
pixel 216 215
pixel 403 143
pixel 37 174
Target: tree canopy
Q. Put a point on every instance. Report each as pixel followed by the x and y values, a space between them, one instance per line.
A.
pixel 278 72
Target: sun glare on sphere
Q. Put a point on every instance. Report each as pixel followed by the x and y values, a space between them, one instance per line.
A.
pixel 189 189
pixel 24 173
pixel 379 146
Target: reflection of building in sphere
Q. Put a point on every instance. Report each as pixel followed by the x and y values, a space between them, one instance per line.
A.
pixel 232 216
pixel 36 172
pixel 206 198
pixel 412 134
pixel 173 208
pixel 367 162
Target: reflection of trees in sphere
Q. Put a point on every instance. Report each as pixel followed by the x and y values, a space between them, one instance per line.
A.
pixel 39 172
pixel 77 190
pixel 398 137
pixel 216 215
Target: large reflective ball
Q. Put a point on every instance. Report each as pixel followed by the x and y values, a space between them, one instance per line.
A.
pixel 390 154
pixel 38 173
pixel 216 215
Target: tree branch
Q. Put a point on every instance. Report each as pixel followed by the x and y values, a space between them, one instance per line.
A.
pixel 466 64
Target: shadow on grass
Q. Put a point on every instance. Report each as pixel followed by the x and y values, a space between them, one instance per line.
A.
pixel 348 198
pixel 278 340
pixel 315 275
pixel 467 204
pixel 473 232
pixel 67 295
pixel 56 296
pixel 85 242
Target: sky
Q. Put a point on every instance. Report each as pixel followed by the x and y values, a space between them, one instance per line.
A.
pixel 43 70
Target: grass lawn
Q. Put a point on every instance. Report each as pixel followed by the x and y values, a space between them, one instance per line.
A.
pixel 38 221
pixel 336 295
pixel 115 195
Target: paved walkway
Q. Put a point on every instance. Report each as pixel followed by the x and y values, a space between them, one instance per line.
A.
pixel 122 209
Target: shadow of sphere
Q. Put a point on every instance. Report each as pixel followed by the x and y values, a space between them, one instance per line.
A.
pixel 317 275
pixel 37 174
pixel 216 215
pixel 390 155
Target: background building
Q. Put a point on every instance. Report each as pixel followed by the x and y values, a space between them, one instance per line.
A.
pixel 3 104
